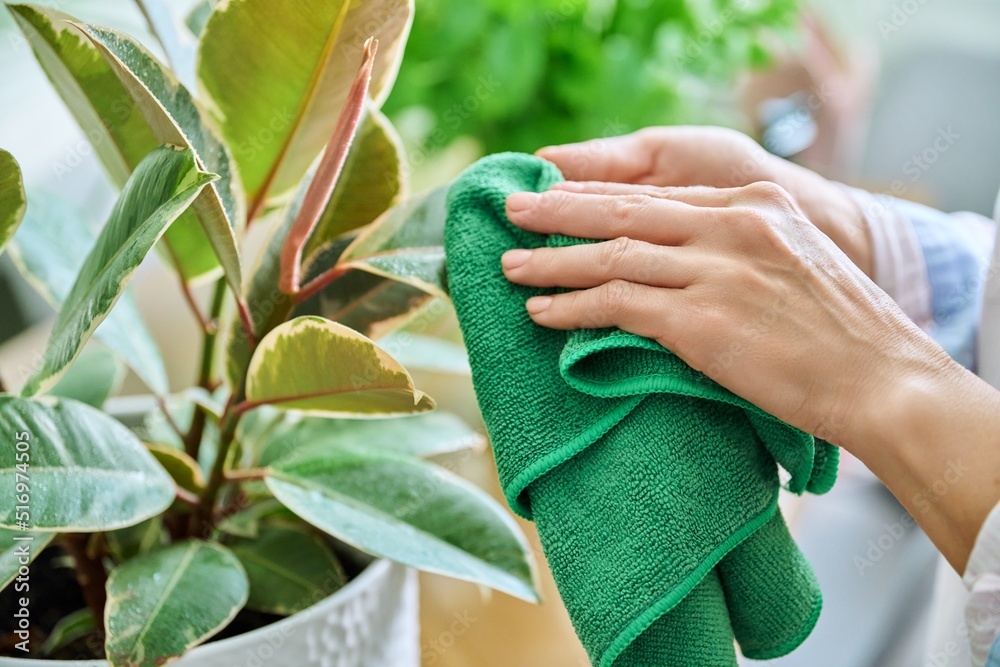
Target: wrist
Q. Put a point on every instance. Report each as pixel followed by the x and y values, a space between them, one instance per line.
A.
pixel 904 396
pixel 931 436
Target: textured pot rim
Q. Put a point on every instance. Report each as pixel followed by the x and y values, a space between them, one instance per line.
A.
pixel 375 570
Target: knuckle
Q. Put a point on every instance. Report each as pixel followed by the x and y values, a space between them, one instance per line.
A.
pixel 636 201
pixel 741 140
pixel 740 218
pixel 767 193
pixel 652 135
pixel 615 295
pixel 613 253
pixel 555 202
pixel 620 210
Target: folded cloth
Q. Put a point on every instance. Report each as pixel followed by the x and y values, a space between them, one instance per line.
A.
pixel 654 490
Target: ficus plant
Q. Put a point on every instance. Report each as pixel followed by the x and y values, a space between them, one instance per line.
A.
pixel 301 439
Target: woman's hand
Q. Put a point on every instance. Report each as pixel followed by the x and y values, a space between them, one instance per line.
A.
pixel 736 282
pixel 740 285
pixel 721 158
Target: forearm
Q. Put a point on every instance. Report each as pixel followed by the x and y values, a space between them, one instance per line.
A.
pixel 934 439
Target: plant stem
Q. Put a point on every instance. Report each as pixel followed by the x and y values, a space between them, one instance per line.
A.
pixel 236 476
pixel 186 289
pixel 317 284
pixel 201 517
pixel 245 318
pixel 192 303
pixel 90 575
pixel 192 440
pixel 165 411
pixel 185 496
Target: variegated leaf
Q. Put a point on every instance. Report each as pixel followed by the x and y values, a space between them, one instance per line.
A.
pixel 175 119
pixel 159 190
pixel 12 199
pixel 106 113
pixel 165 602
pixel 371 182
pixel 277 102
pixel 87 472
pixel 49 250
pixel 339 373
pixel 411 512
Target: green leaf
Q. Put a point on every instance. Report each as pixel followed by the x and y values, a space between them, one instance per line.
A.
pixel 406 244
pixel 393 268
pixel 68 629
pixel 268 305
pixel 370 183
pixel 212 402
pixel 275 436
pixel 182 468
pixel 49 250
pixel 93 377
pixel 411 512
pixel 247 523
pixel 422 268
pixel 106 114
pixel 161 187
pixel 18 548
pixel 158 430
pixel 86 471
pixel 131 541
pixel 163 603
pixel 339 372
pixel 198 16
pixel 277 102
pixel 176 120
pixel 372 304
pixel 427 353
pixel 109 118
pixel 12 199
pixel 289 569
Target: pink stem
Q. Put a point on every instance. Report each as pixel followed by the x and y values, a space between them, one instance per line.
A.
pixel 313 287
pixel 327 174
pixel 241 306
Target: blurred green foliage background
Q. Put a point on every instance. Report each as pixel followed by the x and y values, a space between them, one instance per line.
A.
pixel 521 74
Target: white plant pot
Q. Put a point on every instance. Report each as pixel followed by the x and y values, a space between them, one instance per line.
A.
pixel 371 622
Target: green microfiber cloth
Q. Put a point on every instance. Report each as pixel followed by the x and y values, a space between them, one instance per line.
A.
pixel 654 490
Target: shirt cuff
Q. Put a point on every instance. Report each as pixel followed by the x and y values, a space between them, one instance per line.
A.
pixel 900 268
pixel 982 578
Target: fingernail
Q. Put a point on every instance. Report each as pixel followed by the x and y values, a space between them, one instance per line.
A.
pixel 537 304
pixel 514 258
pixel 520 201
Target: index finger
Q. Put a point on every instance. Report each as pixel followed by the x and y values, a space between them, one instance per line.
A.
pixel 626 159
pixel 594 216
